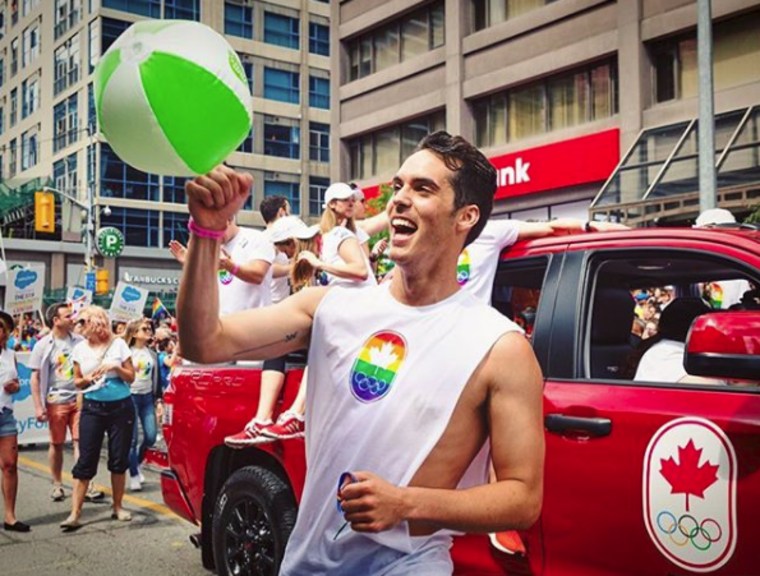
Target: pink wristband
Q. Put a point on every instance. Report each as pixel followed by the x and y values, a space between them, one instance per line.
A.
pixel 202 232
pixel 235 270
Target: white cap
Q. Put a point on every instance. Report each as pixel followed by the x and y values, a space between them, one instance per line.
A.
pixel 289 227
pixel 338 191
pixel 715 216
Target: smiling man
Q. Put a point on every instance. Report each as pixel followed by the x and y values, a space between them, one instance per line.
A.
pixel 407 381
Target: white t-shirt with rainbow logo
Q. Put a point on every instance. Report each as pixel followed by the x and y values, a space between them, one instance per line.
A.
pixel 477 264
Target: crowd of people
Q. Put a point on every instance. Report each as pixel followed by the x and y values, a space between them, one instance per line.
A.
pixel 91 379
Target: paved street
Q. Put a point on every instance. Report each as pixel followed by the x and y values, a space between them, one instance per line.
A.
pixel 155 542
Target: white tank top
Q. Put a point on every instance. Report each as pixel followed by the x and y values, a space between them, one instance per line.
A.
pixel 383 382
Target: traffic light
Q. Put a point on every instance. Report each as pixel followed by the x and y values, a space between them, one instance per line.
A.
pixel 101 281
pixel 44 212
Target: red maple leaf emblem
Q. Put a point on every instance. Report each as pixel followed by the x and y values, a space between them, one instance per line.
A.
pixel 688 477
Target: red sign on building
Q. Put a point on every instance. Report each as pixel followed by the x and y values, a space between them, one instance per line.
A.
pixel 559 165
pixel 563 164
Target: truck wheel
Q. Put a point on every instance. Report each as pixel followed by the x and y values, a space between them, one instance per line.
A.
pixel 253 517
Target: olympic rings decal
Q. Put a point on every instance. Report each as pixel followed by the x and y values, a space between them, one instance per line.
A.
pixel 369 384
pixel 687 529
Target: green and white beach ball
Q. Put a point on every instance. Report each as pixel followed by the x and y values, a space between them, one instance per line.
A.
pixel 172 97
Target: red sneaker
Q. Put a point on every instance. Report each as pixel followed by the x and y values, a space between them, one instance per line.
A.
pixel 250 435
pixel 508 542
pixel 289 425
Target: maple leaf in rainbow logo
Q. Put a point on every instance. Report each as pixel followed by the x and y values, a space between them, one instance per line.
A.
pixel 688 477
pixel 382 357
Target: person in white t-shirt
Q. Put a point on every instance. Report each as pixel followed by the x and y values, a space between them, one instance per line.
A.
pixel 341 258
pixel 662 355
pixel 406 380
pixel 245 274
pixel 272 208
pixel 103 371
pixel 289 234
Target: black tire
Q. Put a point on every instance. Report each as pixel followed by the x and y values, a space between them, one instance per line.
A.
pixel 253 518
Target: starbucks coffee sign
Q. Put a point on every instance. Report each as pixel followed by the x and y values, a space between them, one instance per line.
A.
pixel 109 241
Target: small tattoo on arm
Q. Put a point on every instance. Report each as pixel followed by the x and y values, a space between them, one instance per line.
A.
pixel 288 338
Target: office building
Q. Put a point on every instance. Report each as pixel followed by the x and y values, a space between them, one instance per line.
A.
pixel 48 130
pixel 557 93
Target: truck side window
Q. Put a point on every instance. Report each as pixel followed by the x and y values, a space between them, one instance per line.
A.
pixel 517 291
pixel 641 307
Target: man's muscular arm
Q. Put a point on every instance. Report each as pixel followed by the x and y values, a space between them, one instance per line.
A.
pixel 249 335
pixel 517 438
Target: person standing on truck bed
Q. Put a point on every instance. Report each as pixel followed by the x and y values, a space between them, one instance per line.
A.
pixel 406 379
pixel 244 274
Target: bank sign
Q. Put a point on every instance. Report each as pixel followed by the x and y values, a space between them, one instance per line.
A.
pixel 563 164
pixel 573 162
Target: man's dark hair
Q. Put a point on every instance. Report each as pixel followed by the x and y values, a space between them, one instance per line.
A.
pixel 52 312
pixel 270 206
pixel 474 179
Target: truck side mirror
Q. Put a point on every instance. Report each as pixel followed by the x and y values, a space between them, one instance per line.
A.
pixel 724 345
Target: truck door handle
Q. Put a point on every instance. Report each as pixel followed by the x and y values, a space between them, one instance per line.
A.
pixel 562 424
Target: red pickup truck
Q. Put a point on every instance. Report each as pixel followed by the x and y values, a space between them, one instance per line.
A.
pixel 642 476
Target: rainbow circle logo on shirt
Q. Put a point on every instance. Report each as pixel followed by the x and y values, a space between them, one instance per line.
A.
pixel 463 268
pixel 225 277
pixel 376 367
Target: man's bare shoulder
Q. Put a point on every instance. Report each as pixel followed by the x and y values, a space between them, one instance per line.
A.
pixel 308 299
pixel 511 363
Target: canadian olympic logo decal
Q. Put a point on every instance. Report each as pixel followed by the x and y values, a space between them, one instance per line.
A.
pixel 689 494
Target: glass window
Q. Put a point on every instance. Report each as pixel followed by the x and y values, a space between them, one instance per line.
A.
pixel 112 29
pixel 319 92
pixel 407 37
pixel 287 189
pixel 386 47
pixel 319 39
pixel 182 9
pixel 175 227
pixel 30 44
pixel 248 69
pixel 558 102
pixel 68 13
pixel 247 144
pixel 381 152
pixel 12 159
pixel 2 72
pixel 92 117
pixel 119 180
pixel 140 227
pixel 149 8
pixel 93 45
pixel 67 63
pixel 14 106
pixel 281 85
pixel 2 119
pixel 319 142
pixel 568 100
pixel 736 49
pixel 65 174
pixel 415 34
pixel 282 141
pixel 174 190
pixel 317 187
pixel 29 149
pixel 238 20
pixel 490 12
pixel 30 96
pixel 281 30
pixel 14 56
